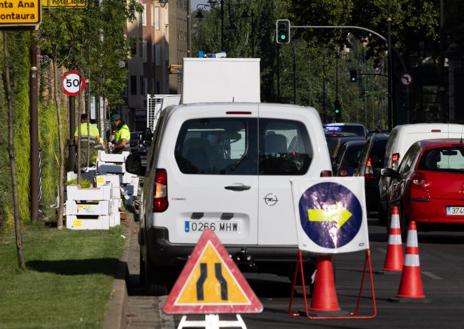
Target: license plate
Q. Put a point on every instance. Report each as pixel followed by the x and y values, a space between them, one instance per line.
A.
pixel 455 211
pixel 216 226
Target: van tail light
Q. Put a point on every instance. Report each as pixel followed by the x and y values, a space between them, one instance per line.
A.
pixel 369 170
pixel 419 187
pixel 395 161
pixel 160 194
pixel 326 173
pixel 343 171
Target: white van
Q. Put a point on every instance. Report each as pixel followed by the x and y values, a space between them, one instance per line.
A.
pixel 227 167
pixel 400 140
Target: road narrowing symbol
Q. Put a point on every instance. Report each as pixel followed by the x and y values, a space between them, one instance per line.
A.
pixel 211 283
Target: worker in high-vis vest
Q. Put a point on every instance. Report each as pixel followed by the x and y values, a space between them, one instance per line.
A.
pixel 88 131
pixel 121 134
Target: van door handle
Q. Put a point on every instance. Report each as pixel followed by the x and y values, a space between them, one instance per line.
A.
pixel 240 187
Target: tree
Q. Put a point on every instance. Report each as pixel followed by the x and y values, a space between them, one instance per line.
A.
pixel 11 152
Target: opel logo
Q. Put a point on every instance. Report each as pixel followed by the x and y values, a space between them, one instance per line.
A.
pixel 271 199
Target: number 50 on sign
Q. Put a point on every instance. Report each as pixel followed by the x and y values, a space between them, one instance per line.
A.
pixel 73 83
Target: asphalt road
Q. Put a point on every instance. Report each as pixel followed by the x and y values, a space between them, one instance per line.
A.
pixel 442 265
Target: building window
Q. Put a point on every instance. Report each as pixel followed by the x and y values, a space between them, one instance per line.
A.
pixel 156 15
pixel 133 85
pixel 144 51
pixel 142 86
pixel 157 54
pixel 144 15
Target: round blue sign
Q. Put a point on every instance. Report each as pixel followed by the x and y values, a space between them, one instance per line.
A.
pixel 330 214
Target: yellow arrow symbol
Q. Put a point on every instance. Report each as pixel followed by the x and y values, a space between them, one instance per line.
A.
pixel 336 213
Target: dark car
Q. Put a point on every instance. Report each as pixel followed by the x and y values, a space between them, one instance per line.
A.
pixel 372 161
pixel 335 142
pixel 348 158
pixel 342 127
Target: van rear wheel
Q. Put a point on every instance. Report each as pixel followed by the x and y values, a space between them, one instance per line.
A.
pixel 153 279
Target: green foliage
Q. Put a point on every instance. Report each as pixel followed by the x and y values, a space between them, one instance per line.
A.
pixel 73 270
pixel 92 40
pixel 49 153
pixel 84 183
pixel 18 49
pixel 321 67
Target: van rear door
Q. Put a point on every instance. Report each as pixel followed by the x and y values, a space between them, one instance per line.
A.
pixel 291 145
pixel 215 183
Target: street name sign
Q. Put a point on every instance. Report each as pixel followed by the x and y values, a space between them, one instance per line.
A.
pixel 64 4
pixel 73 83
pixel 20 13
pixel 330 214
pixel 211 283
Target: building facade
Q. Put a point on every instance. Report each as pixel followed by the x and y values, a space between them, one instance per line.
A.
pixel 159 38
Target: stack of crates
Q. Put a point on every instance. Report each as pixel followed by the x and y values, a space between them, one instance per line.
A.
pixel 108 163
pixel 88 208
pixel 113 181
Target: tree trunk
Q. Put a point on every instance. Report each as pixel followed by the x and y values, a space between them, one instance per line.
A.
pixel 12 155
pixel 60 142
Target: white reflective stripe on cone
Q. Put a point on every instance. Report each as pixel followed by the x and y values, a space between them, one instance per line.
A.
pixel 411 260
pixel 412 239
pixel 395 222
pixel 394 239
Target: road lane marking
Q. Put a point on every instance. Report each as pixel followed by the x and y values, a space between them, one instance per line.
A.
pixel 382 250
pixel 432 276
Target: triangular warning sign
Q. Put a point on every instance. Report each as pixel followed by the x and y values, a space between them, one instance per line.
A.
pixel 211 283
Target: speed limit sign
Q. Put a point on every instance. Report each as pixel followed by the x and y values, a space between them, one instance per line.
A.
pixel 73 83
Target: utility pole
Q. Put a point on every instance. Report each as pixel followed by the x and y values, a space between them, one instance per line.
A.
pixel 391 115
pixel 189 29
pixel 222 25
pixel 34 132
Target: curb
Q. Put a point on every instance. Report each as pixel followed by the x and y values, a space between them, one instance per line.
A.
pixel 115 314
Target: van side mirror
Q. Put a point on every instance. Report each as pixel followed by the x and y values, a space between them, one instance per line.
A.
pixel 389 172
pixel 134 165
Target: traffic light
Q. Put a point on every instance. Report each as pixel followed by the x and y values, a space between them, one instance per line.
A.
pixel 283 31
pixel 338 107
pixel 353 75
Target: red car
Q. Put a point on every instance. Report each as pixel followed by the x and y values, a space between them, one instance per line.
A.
pixel 429 184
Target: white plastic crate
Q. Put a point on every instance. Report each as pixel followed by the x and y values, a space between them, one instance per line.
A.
pixel 71 175
pixel 115 216
pixel 110 168
pixel 115 193
pixel 127 178
pixel 109 157
pixel 88 194
pixel 99 208
pixel 87 222
pixel 114 180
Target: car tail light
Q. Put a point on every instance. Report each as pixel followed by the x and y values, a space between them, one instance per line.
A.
pixel 160 193
pixel 369 170
pixel 326 173
pixel 419 187
pixel 395 160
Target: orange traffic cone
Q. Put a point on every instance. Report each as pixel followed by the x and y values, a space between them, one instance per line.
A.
pixel 394 257
pixel 324 295
pixel 411 279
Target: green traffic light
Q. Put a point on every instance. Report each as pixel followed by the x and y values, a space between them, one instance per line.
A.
pixel 337 111
pixel 283 37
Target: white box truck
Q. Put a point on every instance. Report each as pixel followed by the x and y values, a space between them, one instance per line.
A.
pixel 211 80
